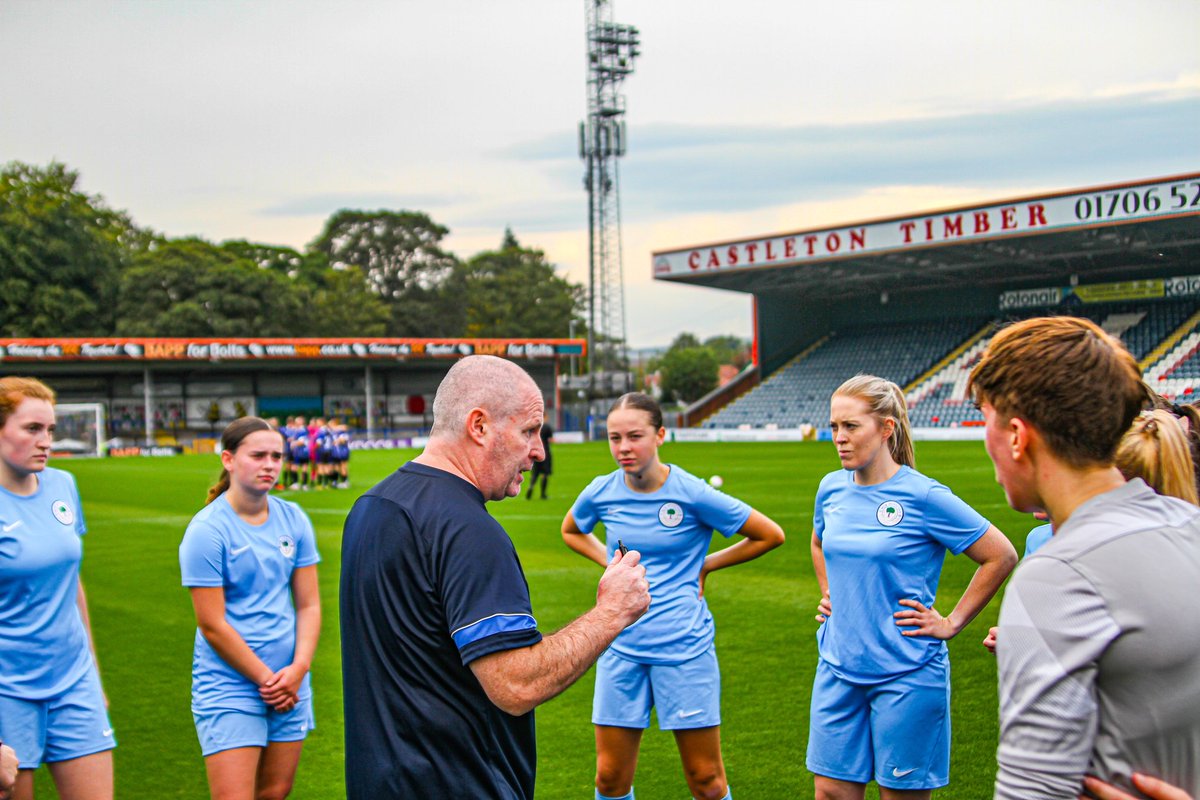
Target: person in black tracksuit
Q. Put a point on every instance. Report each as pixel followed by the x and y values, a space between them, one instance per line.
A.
pixel 543 468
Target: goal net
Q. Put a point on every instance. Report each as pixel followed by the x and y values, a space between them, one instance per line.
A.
pixel 80 429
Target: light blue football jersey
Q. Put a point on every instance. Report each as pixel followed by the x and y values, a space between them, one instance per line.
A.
pixel 254 565
pixel 672 529
pixel 1036 538
pixel 882 544
pixel 43 645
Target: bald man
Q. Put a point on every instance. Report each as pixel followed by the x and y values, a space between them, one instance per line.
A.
pixel 443 662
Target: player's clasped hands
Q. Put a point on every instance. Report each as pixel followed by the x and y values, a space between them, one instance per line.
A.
pixel 924 621
pixel 282 690
pixel 623 587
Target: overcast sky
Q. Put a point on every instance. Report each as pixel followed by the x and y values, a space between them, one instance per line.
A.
pixel 258 120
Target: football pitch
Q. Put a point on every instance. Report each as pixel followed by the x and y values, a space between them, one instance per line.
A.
pixel 137 510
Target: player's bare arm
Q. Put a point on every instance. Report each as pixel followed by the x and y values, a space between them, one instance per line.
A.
pixel 996 558
pixel 586 544
pixel 762 534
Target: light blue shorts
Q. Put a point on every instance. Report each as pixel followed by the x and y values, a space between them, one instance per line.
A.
pixel 897 732
pixel 686 695
pixel 225 729
pixel 70 725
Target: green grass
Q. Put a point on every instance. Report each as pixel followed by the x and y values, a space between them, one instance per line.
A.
pixel 137 510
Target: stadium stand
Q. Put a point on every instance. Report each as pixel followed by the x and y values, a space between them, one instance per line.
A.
pixel 1175 371
pixel 933 360
pixel 799 393
pixel 830 302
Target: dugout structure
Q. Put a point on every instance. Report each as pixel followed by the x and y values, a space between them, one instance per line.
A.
pixel 1134 240
pixel 175 390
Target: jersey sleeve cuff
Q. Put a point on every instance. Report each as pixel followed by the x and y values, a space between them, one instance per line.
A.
pixel 496 643
pixel 202 583
pixel 741 524
pixel 963 545
pixel 502 628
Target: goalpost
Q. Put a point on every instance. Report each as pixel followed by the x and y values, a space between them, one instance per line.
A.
pixel 80 429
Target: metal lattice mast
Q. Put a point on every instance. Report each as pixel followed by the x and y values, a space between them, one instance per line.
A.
pixel 611 50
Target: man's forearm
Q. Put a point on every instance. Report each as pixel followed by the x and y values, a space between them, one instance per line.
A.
pixel 519 680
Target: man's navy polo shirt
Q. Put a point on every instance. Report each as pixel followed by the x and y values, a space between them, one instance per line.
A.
pixel 430 582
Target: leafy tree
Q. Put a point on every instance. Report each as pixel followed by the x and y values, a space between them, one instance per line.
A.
pixel 515 292
pixel 688 373
pixel 190 287
pixel 345 306
pixel 729 349
pixel 401 255
pixel 684 341
pixel 305 267
pixel 61 254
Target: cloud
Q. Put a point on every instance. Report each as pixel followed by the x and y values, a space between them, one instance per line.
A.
pixel 694 168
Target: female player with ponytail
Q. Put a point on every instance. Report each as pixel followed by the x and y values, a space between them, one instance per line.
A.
pixel 667 660
pixel 881 530
pixel 241 556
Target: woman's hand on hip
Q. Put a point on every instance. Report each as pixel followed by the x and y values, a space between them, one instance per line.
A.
pixel 923 621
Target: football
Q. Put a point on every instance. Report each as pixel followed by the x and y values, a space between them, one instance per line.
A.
pixel 716 481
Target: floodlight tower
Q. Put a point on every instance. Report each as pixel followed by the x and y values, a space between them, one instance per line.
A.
pixel 611 50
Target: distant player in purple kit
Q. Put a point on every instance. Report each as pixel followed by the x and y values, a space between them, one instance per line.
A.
pixel 322 446
pixel 314 427
pixel 285 431
pixel 52 708
pixel 881 530
pixel 249 559
pixel 667 659
pixel 341 455
pixel 298 454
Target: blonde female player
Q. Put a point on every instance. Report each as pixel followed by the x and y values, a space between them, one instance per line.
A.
pixel 52 709
pixel 241 556
pixel 881 530
pixel 1155 449
pixel 666 659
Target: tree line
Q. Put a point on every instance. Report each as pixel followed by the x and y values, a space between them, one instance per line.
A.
pixel 72 266
pixel 689 369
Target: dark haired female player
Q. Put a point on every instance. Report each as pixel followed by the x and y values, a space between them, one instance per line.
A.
pixel 244 557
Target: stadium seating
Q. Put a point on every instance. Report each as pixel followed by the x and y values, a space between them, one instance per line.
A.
pixel 1176 373
pixel 798 393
